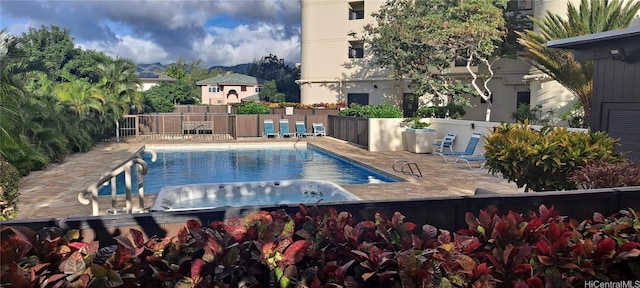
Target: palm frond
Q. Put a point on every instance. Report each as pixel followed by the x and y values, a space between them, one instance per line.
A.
pixel 591 16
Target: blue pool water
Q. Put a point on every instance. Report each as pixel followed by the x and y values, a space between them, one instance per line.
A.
pixel 174 167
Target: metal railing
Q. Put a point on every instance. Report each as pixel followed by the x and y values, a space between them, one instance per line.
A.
pixel 90 195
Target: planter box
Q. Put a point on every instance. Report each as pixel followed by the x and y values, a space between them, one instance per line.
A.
pixel 420 140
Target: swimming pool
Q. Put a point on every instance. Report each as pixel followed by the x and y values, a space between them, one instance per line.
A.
pixel 224 164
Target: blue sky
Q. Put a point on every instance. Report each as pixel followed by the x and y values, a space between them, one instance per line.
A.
pixel 217 32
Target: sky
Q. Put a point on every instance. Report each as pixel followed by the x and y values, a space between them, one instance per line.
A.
pixel 217 32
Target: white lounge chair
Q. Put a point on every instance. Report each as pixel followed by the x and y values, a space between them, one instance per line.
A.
pixel 447 142
pixel 471 147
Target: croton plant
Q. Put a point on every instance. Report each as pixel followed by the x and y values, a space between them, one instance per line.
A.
pixel 321 247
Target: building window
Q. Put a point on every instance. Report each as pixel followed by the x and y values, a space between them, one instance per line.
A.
pixel 524 97
pixel 258 89
pixel 356 49
pixel 358 98
pixel 514 5
pixel 214 89
pixel 356 10
pixel 243 88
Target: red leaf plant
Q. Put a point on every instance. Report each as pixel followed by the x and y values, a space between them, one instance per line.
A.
pixel 321 247
pixel 553 251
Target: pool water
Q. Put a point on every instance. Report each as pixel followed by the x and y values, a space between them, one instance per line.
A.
pixel 180 167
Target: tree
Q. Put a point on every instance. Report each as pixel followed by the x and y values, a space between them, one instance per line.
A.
pixel 25 143
pixel 154 101
pixel 84 65
pixel 163 97
pixel 51 46
pixel 190 73
pixel 590 17
pixel 271 67
pixel 119 83
pixel 269 91
pixel 50 102
pixel 79 96
pixel 178 70
pixel 421 39
pixel 10 90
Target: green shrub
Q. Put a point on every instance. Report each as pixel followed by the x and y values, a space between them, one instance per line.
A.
pixel 542 160
pixel 416 123
pixel 370 111
pixel 354 110
pixel 526 113
pixel 575 116
pixel 253 108
pixel 9 184
pixel 606 175
pixel 452 110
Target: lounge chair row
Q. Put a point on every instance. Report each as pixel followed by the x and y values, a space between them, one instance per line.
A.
pixel 466 156
pixel 301 129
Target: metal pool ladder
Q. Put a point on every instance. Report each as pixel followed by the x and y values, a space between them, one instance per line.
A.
pixel 406 165
pixel 90 195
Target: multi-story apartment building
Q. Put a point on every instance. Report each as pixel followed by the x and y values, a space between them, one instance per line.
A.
pixel 335 67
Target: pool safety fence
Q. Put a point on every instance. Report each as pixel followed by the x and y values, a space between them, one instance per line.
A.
pixel 203 127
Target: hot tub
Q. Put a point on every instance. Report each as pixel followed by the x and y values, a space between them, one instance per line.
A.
pixel 266 193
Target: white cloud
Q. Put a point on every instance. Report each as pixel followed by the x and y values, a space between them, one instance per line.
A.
pixel 138 50
pixel 246 43
pixel 148 31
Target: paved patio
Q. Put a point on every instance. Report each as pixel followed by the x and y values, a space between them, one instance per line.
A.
pixel 53 193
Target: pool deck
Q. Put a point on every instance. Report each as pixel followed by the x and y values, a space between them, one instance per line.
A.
pixel 52 193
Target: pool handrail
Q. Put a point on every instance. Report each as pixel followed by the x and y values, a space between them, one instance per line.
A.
pixel 124 167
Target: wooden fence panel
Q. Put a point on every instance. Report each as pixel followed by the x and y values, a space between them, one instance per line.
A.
pixel 172 125
pixel 201 109
pixel 351 129
pixel 247 125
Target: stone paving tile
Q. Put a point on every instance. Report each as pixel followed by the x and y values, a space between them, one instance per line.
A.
pixel 53 193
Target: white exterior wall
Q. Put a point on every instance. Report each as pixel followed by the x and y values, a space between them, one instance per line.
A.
pixel 223 97
pixel 147 85
pixel 386 135
pixel 328 75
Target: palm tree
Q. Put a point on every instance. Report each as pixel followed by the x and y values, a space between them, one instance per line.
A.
pixel 590 17
pixel 10 90
pixel 79 96
pixel 120 83
pixel 15 147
